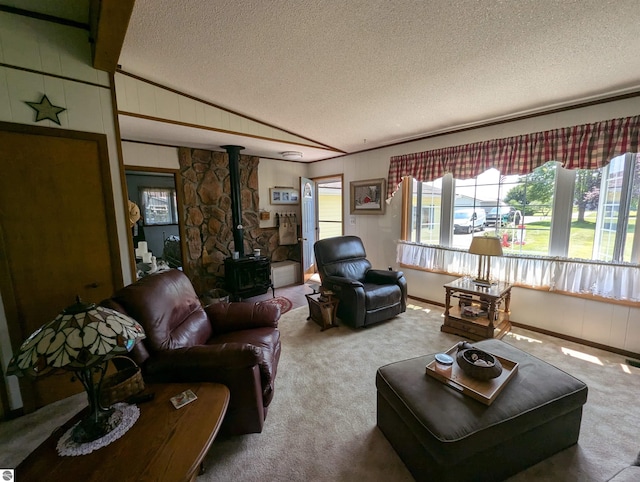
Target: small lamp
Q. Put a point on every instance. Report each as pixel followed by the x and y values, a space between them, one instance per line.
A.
pixel 485 246
pixel 81 339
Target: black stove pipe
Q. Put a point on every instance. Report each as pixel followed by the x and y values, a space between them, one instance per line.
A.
pixel 236 202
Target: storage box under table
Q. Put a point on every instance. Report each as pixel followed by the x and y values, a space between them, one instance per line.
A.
pixel 442 434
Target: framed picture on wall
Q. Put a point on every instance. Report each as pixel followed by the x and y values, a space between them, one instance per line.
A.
pixel 283 195
pixel 367 196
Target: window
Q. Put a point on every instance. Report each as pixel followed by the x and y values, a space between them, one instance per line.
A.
pixel 530 199
pixel 472 199
pixel 584 213
pixel 565 230
pixel 520 210
pixel 159 206
pixel 517 209
pixel 545 219
pixel 424 221
pixel 614 236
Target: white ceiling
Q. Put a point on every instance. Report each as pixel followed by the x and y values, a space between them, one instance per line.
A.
pixel 359 74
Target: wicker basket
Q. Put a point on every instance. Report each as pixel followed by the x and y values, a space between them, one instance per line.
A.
pixel 122 384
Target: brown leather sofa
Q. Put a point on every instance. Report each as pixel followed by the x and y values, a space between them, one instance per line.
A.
pixel 366 295
pixel 236 344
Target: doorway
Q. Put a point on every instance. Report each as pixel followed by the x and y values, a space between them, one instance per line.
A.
pixel 155 220
pixel 322 214
pixel 330 206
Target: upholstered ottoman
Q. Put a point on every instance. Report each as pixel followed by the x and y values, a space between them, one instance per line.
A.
pixel 444 435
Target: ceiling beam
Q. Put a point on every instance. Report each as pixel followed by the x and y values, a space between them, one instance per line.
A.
pixel 108 22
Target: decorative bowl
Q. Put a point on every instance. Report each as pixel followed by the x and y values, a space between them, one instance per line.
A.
pixel 476 363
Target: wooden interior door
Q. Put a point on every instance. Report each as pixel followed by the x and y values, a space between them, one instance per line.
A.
pixel 58 235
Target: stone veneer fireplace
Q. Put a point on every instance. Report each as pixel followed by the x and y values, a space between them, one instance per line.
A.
pixel 207 215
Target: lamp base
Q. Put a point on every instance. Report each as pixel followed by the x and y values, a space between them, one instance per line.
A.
pixel 96 425
pixel 484 282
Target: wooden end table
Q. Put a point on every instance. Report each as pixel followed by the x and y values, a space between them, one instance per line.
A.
pixel 165 443
pixel 322 310
pixel 490 318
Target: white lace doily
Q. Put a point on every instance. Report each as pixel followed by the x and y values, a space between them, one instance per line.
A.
pixel 129 414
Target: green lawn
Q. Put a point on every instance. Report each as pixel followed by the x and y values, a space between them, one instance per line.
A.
pixel 580 245
pixel 536 239
pixel 537 235
pixel 581 242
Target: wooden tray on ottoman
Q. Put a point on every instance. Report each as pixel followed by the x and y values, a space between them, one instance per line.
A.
pixel 484 391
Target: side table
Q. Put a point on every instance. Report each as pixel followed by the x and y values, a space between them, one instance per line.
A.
pixel 481 311
pixel 322 310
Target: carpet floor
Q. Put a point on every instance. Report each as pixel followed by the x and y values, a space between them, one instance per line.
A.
pixel 321 424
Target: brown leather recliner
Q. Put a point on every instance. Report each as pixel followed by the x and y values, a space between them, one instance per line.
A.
pixel 235 344
pixel 366 295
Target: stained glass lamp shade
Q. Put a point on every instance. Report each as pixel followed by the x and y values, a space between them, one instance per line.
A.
pixel 81 339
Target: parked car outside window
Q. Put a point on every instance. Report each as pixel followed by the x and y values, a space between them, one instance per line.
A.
pixel 500 216
pixel 468 220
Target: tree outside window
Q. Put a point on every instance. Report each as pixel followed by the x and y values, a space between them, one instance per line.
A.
pixel 532 198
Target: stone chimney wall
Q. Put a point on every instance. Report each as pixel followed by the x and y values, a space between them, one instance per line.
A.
pixel 206 212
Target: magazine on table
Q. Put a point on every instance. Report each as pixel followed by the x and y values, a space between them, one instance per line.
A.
pixel 183 398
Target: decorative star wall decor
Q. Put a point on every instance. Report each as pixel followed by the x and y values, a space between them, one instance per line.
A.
pixel 46 110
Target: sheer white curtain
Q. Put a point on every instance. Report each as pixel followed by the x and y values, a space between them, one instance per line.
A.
pixel 615 281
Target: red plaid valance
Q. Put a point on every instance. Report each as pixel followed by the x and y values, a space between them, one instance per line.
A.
pixel 588 146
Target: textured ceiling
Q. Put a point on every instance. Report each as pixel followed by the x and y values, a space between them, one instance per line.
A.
pixel 358 74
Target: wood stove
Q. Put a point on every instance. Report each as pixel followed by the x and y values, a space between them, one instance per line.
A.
pixel 245 276
pixel 248 276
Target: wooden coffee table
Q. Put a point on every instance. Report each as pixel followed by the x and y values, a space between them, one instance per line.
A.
pixel 165 443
